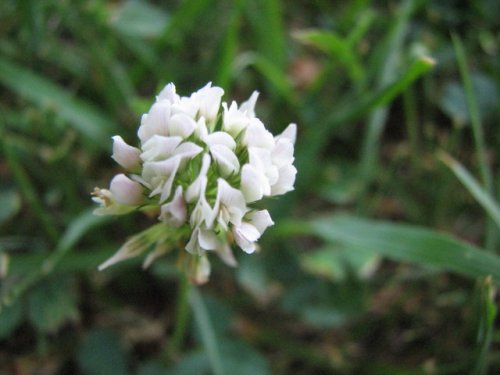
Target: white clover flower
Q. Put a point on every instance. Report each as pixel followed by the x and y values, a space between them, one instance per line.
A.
pixel 201 165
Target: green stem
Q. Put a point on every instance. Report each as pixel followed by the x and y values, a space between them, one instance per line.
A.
pixel 207 331
pixel 181 317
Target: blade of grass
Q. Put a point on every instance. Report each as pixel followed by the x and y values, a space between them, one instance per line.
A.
pixel 316 139
pixel 207 331
pixel 27 188
pixel 86 119
pixel 477 128
pixel 229 48
pixel 265 17
pixel 400 242
pixel 275 76
pixel 483 197
pixel 376 123
pixel 76 229
pixel 487 313
pixel 336 47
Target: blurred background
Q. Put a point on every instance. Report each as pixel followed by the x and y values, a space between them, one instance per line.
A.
pixel 382 261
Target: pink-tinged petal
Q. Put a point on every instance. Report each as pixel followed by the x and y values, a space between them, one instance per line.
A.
pixel 159 147
pixel 181 125
pixel 251 184
pixel 126 155
pixel 108 204
pixel 126 191
pixel 174 213
pixel 155 122
pixel 289 133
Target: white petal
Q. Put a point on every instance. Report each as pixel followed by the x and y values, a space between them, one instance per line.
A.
pixel 168 93
pixel 174 213
pixel 257 135
pixel 126 191
pixel 159 147
pixel 181 125
pixel 195 189
pixel 208 100
pixel 202 212
pixel 226 254
pixel 251 184
pixel 202 240
pixel 260 159
pixel 245 236
pixel 289 133
pixel 208 239
pixel 155 122
pixel 260 220
pixel 230 205
pixel 226 160
pixel 125 155
pixel 285 181
pixel 282 153
pixel 187 150
pixel 221 138
pixel 248 106
pixel 234 121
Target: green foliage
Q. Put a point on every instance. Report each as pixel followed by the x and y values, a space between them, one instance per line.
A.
pixel 100 353
pixel 381 261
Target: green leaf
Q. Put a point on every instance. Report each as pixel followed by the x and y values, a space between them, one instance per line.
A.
pixel 10 318
pixel 52 303
pixel 10 204
pixel 336 263
pixel 102 354
pixel 483 198
pixel 84 117
pixel 335 46
pixel 407 243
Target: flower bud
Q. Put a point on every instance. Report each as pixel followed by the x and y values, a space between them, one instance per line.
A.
pixel 126 191
pixel 125 155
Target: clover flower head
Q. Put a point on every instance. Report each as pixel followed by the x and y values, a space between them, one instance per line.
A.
pixel 202 165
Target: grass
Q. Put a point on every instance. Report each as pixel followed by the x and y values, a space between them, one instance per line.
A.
pixel 382 261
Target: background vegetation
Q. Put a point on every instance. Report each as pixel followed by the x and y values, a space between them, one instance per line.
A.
pixel 383 260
